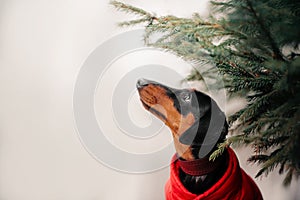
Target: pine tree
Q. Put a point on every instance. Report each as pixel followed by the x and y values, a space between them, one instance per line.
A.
pixel 257 54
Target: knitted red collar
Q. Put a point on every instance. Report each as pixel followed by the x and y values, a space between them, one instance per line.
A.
pixel 201 166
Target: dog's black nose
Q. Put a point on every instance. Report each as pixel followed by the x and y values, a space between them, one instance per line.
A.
pixel 142 83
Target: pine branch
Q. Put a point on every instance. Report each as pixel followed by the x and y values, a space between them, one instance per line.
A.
pixel 133 22
pixel 130 9
pixel 276 51
pixel 219 151
pixel 288 178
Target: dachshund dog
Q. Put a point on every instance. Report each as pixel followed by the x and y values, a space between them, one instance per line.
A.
pixel 198 125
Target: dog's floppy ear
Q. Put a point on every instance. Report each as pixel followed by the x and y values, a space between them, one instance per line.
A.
pixel 202 114
pixel 197 132
pixel 209 123
pixel 189 135
pixel 210 130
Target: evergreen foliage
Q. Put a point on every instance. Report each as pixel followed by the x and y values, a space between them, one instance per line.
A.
pixel 255 47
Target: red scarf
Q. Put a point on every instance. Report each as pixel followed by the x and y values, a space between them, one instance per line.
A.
pixel 235 184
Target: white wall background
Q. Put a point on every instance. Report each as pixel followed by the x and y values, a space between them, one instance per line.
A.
pixel 43 44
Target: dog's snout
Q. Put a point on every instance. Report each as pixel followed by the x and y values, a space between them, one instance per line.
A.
pixel 142 83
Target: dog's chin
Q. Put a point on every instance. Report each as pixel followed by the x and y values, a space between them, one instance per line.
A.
pixel 146 106
pixel 155 112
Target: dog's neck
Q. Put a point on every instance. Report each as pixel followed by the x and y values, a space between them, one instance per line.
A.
pixel 190 161
pixel 186 152
pixel 199 167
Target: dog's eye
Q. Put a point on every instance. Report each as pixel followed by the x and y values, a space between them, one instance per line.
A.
pixel 186 97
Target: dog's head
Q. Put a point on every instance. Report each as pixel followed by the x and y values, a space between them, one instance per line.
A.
pixel 193 117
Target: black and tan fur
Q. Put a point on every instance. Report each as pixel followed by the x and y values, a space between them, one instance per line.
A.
pixel 197 125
